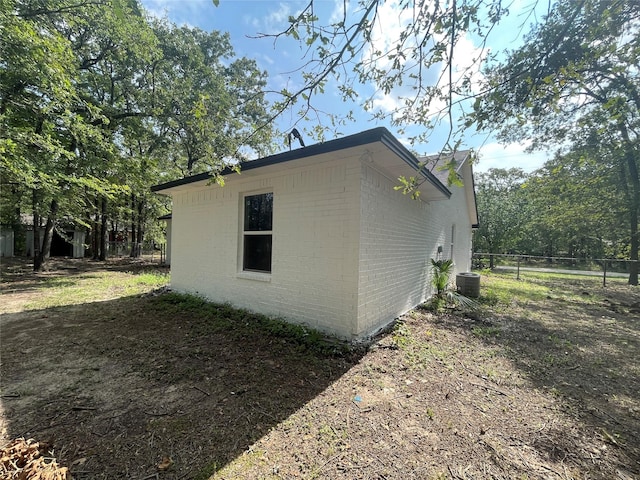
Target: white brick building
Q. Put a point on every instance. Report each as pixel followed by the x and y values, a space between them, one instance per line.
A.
pixel 319 235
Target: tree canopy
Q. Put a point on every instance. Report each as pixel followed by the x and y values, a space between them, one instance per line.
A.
pixel 503 210
pixel 569 207
pixel 98 102
pixel 423 64
pixel 575 84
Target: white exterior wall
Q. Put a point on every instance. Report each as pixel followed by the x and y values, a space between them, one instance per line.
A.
pixel 399 236
pixel 314 278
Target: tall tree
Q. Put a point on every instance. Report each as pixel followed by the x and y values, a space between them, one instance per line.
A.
pixel 579 207
pixel 38 126
pixel 576 80
pixel 502 210
pixel 572 206
pixel 116 48
pixel 95 98
pixel 207 107
pixel 210 106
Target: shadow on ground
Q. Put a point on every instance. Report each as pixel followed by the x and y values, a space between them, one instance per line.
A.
pixel 119 386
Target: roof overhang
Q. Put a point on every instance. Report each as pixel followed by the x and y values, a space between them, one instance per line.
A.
pixel 463 164
pixel 378 144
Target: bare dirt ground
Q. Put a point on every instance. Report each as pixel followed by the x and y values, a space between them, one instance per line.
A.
pixel 543 382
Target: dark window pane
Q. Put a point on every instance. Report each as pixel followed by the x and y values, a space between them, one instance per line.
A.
pixel 257 253
pixel 258 212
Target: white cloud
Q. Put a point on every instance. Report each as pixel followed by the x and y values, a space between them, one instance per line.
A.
pixel 251 21
pixel 338 13
pixel 156 8
pixel 267 59
pixel 282 81
pixel 496 155
pixel 406 142
pixel 182 13
pixel 275 21
pixel 392 21
pixel 278 18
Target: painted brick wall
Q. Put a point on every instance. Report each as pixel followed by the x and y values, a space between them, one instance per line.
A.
pixel 399 236
pixel 350 253
pixel 315 244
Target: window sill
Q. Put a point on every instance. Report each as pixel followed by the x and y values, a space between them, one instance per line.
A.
pixel 258 276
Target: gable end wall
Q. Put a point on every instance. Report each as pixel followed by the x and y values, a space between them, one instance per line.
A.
pixel 399 236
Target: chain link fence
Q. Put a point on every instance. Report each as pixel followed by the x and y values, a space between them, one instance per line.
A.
pixel 152 252
pixel 606 268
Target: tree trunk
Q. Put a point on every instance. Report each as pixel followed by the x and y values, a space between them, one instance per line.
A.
pixel 633 268
pixel 634 204
pixel 133 227
pixel 88 238
pixel 36 237
pixel 140 238
pixel 633 220
pixel 95 231
pixel 35 248
pixel 104 232
pixel 95 237
pixel 39 260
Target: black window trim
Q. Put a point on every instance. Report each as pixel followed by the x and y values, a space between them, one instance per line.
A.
pixel 245 233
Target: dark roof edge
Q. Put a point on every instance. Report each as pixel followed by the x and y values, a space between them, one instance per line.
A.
pixel 181 181
pixel 362 138
pixel 380 134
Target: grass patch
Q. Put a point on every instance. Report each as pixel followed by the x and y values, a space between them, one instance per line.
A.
pixel 96 287
pixel 60 282
pixel 503 289
pixel 486 332
pixel 419 348
pixel 153 279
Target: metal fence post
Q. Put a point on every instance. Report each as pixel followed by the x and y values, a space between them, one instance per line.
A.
pixel 604 276
pixel 518 277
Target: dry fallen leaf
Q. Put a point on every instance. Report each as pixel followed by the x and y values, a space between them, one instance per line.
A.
pixel 165 464
pixel 22 460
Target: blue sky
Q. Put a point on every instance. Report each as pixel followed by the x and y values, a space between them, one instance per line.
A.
pixel 282 59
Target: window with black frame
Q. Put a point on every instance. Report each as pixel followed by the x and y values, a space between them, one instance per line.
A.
pixel 257 232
